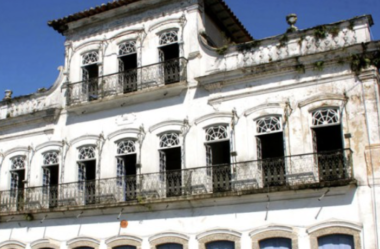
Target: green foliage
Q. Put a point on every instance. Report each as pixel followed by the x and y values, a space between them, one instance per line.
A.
pixel 221 50
pixel 283 40
pixel 320 32
pixel 248 45
pixel 334 30
pixel 300 68
pixel 318 66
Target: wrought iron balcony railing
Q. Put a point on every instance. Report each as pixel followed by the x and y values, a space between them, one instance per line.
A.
pixel 132 80
pixel 238 177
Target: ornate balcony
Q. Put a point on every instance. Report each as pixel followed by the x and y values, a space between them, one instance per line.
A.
pixel 261 176
pixel 153 76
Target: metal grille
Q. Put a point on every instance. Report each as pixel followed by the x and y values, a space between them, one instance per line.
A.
pixel 90 58
pixel 126 147
pixel 18 162
pixel 169 140
pixel 325 117
pixel 268 124
pixel 127 48
pixel 216 133
pixel 50 158
pixel 87 152
pixel 169 37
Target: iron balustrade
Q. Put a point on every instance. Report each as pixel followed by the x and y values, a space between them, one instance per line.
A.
pixel 286 171
pixel 132 80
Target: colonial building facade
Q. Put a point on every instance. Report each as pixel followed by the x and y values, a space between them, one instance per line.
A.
pixel 169 126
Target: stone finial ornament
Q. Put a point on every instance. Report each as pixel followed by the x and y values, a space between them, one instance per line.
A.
pixel 8 95
pixel 291 19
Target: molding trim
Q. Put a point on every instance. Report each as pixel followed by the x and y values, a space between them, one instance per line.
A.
pixel 85 44
pixel 164 238
pixel 16 149
pixel 12 244
pixel 176 20
pixel 334 223
pixel 127 32
pixel 165 123
pixel 49 144
pixel 213 115
pixel 271 228
pixel 83 138
pixel 219 234
pixel 123 131
pixel 123 240
pixel 321 97
pixel 261 107
pixel 83 241
pixel 43 243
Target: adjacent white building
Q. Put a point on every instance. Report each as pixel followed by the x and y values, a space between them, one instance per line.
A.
pixel 169 126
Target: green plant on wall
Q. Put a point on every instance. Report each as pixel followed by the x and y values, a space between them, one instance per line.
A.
pixel 300 68
pixel 334 30
pixel 248 46
pixel 318 66
pixel 283 40
pixel 320 32
pixel 221 50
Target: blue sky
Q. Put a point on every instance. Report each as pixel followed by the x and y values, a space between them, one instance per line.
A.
pixel 30 51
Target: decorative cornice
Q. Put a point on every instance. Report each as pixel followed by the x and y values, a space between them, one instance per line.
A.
pixel 322 97
pixel 334 223
pixel 168 234
pixel 218 231
pixel 49 144
pixel 114 134
pixel 213 115
pixel 165 123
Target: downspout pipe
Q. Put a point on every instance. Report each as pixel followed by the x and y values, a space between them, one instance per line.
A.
pixel 373 188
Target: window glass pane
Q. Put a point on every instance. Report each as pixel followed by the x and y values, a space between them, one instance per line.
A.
pixel 276 243
pixel 170 246
pixel 221 245
pixel 336 241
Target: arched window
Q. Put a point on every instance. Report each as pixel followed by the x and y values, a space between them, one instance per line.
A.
pixel 170 163
pixel 276 243
pixel 127 66
pixel 17 179
pixel 87 172
pixel 50 177
pixel 18 162
pixel 220 245
pixel 169 37
pixel 126 169
pixel 84 247
pixel 90 74
pixel 336 241
pixel 170 246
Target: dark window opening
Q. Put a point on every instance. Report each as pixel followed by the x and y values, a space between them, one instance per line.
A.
pixel 336 241
pixel 270 153
pixel 128 72
pixel 127 175
pixel 124 247
pixel 50 182
pixel 17 187
pixel 328 144
pixel 273 243
pixel 223 244
pixel 170 246
pixel 90 76
pixel 329 138
pixel 170 56
pixel 219 159
pixel 87 176
pixel 171 164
